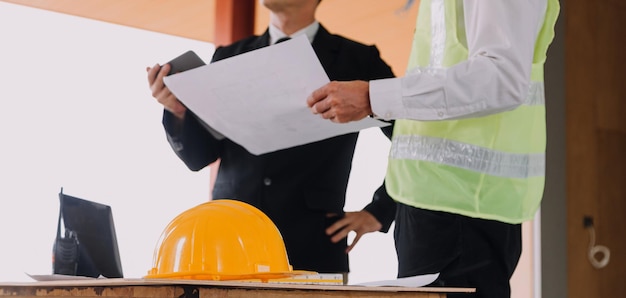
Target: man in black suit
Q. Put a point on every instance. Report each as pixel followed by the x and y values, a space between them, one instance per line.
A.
pixel 302 189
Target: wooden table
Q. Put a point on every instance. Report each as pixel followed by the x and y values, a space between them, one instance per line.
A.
pixel 197 289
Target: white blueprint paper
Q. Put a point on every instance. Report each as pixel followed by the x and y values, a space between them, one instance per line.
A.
pixel 258 99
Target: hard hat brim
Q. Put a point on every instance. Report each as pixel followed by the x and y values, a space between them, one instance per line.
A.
pixel 220 276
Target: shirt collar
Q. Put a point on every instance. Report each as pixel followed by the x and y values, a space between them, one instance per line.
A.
pixel 309 31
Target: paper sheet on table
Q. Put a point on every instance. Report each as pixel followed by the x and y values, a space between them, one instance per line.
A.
pixel 412 281
pixel 258 99
pixel 51 277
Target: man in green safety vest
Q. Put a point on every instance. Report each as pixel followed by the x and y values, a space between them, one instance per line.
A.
pixel 467 160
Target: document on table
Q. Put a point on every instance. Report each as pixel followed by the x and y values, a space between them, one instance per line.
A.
pixel 411 281
pixel 258 99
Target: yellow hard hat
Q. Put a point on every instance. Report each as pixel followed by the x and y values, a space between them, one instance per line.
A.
pixel 221 240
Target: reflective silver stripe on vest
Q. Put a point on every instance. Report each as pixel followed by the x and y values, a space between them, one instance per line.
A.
pixel 536 94
pixel 467 156
pixel 437 33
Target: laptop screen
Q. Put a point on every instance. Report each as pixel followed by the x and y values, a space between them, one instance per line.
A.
pixel 92 225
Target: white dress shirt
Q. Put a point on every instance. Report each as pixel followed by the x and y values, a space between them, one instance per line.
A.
pixel 500 37
pixel 309 31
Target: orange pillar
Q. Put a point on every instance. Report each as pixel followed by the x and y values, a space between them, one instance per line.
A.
pixel 234 20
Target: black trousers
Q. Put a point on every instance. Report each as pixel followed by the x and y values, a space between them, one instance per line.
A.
pixel 465 251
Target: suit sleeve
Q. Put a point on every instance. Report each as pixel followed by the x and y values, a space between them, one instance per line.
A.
pixel 382 206
pixel 192 141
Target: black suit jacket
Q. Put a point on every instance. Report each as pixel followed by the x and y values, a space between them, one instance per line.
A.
pixel 295 187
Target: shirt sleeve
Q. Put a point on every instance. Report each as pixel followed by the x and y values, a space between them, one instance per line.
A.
pixel 495 78
pixel 383 208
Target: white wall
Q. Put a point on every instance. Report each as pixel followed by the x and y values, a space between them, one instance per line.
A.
pixel 77 114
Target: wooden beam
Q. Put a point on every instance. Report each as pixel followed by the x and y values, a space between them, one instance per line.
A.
pixel 187 18
pixel 234 20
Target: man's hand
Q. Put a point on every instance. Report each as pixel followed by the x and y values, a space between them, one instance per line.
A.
pixel 162 93
pixel 341 102
pixel 361 222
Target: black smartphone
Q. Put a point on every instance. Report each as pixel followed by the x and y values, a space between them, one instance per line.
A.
pixel 186 61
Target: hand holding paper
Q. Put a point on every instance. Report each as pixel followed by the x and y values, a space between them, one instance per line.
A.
pixel 258 99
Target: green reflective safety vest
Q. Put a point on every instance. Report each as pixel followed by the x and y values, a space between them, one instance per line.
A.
pixel 490 167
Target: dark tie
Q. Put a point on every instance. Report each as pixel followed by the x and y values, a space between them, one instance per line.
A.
pixel 282 39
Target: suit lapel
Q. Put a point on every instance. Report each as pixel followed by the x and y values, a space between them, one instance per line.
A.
pixel 261 41
pixel 326 47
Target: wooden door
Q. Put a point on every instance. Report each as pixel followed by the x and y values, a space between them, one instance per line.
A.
pixel 595 80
